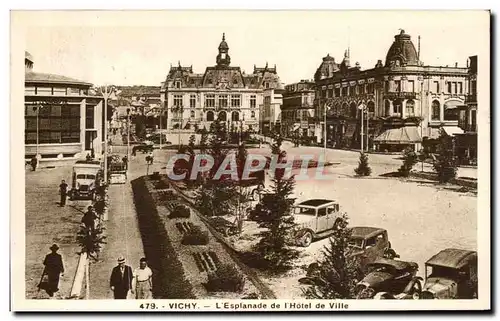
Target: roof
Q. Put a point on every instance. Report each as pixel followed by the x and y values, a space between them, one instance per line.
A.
pixel 398 265
pixel 37 77
pixel 452 130
pixel 365 231
pixel 402 49
pixel 452 258
pixel 316 202
pixel 28 56
pixel 402 135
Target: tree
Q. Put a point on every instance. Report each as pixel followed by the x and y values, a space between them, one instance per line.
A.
pixel 275 215
pixel 335 275
pixel 363 168
pixel 410 158
pixel 445 163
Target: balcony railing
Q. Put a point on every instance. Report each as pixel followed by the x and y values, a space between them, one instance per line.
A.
pixel 400 95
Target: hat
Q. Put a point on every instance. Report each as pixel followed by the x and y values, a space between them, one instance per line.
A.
pixel 54 247
pixel 121 259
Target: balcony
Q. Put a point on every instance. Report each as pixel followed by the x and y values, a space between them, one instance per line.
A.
pixel 471 99
pixel 400 95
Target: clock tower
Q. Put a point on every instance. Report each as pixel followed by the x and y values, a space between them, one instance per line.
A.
pixel 223 59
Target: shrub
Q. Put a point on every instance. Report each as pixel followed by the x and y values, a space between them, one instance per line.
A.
pixel 363 168
pixel 196 236
pixel 161 184
pixel 410 158
pixel 180 211
pixel 227 278
pixel 167 195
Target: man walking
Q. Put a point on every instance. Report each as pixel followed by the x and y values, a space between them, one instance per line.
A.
pixel 63 191
pixel 121 280
pixel 54 268
pixel 143 281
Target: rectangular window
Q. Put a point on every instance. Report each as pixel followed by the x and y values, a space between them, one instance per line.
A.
pixel 177 100
pixel 235 100
pixel 74 91
pixel 192 101
pixel 55 124
pixel 323 93
pixel 397 85
pixel 177 84
pixel 473 120
pixel 55 111
pixel 387 86
pixel 89 117
pixel 60 91
pixel 337 92
pixel 473 87
pixel 253 101
pixel 209 100
pixel 411 86
pixel 44 91
pixel 328 94
pixel 30 138
pixel 55 137
pixel 436 86
pixel 344 91
pixel 30 124
pixel 30 110
pixel 460 88
pixel 223 101
pixel 266 84
pixel 65 124
pixel 449 87
pixel 455 88
pixel 30 90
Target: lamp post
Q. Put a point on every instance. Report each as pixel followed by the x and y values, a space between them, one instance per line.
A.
pixel 128 133
pixel 324 134
pixel 106 94
pixel 37 109
pixel 362 107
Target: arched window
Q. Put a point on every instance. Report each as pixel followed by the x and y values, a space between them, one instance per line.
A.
pixel 210 116
pixel 410 108
pixel 436 110
pixel 387 108
pixel 192 113
pixel 252 114
pixel 235 116
pixel 371 107
pixel 353 110
pixel 397 107
pixel 222 116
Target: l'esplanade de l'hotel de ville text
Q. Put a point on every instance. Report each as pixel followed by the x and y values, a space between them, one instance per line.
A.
pixel 401 101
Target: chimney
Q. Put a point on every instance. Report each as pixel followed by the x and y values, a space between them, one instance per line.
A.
pixel 456 64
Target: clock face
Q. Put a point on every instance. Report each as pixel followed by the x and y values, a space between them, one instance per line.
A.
pixel 223 56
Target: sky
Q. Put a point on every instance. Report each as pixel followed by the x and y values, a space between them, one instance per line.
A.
pixel 138 48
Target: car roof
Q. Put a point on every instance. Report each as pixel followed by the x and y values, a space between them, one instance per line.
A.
pixel 365 232
pixel 398 265
pixel 452 258
pixel 88 162
pixel 316 202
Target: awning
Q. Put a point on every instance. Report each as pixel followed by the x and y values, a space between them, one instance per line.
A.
pixel 452 130
pixel 452 104
pixel 403 135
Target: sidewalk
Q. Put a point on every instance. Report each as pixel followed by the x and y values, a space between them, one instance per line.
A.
pixel 123 236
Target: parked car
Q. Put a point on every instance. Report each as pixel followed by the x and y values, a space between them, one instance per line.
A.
pixel 85 179
pixel 370 243
pixel 451 274
pixel 390 279
pixel 316 218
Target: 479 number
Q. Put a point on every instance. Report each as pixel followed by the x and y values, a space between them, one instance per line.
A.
pixel 148 306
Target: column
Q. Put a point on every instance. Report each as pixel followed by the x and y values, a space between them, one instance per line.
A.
pixel 83 104
pixel 403 107
pixel 98 119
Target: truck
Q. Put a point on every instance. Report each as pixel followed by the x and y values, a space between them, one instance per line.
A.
pixel 117 170
pixel 85 179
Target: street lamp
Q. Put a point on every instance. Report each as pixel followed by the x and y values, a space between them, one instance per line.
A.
pixel 106 94
pixel 324 135
pixel 362 107
pixel 128 133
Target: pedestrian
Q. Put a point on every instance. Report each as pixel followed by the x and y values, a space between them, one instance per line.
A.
pixel 88 157
pixel 34 163
pixel 125 161
pixel 150 158
pixel 143 283
pixel 121 279
pixel 63 191
pixel 54 268
pixel 89 218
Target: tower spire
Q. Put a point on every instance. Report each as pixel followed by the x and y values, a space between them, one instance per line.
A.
pixel 223 36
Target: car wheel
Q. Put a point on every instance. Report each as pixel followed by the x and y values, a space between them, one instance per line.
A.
pixel 416 290
pixel 307 239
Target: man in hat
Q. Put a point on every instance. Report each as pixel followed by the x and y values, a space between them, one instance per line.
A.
pixel 121 279
pixel 143 281
pixel 54 268
pixel 63 191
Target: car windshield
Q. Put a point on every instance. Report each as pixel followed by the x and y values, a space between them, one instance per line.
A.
pixel 441 271
pixel 356 242
pixel 305 211
pixel 85 176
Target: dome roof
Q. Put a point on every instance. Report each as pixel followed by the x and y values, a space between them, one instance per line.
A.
pixel 223 44
pixel 402 51
pixel 328 58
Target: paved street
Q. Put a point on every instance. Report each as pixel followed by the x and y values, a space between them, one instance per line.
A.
pixel 47 223
pixel 123 236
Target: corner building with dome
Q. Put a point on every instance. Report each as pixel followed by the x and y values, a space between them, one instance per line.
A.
pixel 406 103
pixel 224 92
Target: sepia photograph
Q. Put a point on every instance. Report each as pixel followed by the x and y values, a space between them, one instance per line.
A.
pixel 250 160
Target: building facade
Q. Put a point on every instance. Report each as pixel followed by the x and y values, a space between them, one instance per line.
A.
pixel 223 92
pixel 298 109
pixel 63 120
pixel 403 101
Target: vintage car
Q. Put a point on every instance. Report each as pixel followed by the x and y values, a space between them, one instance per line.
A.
pixel 451 274
pixel 390 279
pixel 370 243
pixel 85 180
pixel 316 218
